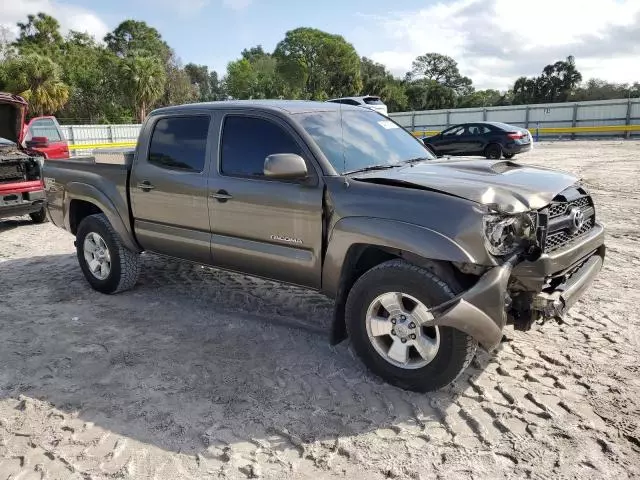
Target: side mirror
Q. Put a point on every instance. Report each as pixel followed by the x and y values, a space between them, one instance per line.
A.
pixel 37 142
pixel 286 166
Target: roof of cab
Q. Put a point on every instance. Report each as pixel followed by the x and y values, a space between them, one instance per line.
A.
pixel 287 106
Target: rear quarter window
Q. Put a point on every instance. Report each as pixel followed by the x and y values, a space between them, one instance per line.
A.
pixel 373 101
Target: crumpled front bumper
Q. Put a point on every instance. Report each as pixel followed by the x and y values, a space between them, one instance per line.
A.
pixel 554 303
pixel 481 311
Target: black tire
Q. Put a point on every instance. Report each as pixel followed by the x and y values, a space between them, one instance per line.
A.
pixel 125 264
pixel 509 156
pixel 39 217
pixel 456 348
pixel 493 151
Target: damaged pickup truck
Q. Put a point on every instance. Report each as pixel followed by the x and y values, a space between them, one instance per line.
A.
pixel 21 185
pixel 425 258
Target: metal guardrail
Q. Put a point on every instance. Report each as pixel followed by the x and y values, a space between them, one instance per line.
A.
pixel 595 118
pixel 557 130
pixel 599 118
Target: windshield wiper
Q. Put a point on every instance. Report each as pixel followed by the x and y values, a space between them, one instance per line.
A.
pixel 416 160
pixel 373 167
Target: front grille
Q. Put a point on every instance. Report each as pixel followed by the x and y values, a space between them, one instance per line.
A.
pixel 560 239
pixel 560 230
pixel 559 208
pixel 10 172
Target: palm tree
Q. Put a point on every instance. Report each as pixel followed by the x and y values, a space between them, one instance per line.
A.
pixel 571 77
pixel 145 80
pixel 37 79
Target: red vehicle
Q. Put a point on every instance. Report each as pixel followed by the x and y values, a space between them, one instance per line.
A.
pixel 21 183
pixel 44 135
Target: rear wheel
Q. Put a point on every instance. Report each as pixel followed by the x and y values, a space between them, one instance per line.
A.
pixel 392 330
pixel 493 151
pixel 509 156
pixel 39 217
pixel 107 265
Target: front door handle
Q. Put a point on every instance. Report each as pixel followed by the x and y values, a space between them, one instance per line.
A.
pixel 145 186
pixel 221 195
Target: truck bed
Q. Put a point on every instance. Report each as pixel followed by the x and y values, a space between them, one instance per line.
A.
pixel 99 181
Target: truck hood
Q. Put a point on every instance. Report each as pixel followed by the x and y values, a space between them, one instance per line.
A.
pixel 12 113
pixel 502 186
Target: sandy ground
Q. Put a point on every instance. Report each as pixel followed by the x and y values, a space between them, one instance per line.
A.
pixel 199 373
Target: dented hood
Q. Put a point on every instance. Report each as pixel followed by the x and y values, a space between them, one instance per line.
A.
pixel 12 114
pixel 503 186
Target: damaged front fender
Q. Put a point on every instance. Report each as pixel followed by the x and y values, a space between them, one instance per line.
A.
pixel 480 311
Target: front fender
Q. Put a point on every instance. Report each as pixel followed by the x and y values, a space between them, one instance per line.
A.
pixel 390 234
pixel 91 194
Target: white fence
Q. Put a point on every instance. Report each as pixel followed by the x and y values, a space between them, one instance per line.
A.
pixel 600 118
pixel 87 137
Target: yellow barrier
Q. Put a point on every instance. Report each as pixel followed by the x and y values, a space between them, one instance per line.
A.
pixel 93 146
pixel 600 129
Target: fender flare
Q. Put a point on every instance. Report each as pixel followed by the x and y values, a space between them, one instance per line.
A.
pixel 91 194
pixel 392 235
pixel 389 234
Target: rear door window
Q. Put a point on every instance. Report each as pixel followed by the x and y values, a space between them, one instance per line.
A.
pixel 179 143
pixel 478 130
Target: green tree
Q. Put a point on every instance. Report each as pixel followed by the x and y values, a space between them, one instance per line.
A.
pixel 200 81
pixel 205 83
pixel 375 77
pixel 134 38
pixel 93 75
pixel 145 79
pixel 395 96
pixel 7 50
pixel 38 80
pixel 557 83
pixel 525 91
pixel 254 53
pixel 178 88
pixel 596 89
pixel 479 98
pixel 318 64
pixel 217 87
pixel 257 79
pixel 377 80
pixel 429 95
pixel 443 70
pixel 40 34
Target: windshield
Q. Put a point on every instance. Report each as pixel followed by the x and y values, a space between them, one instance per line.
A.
pixel 362 139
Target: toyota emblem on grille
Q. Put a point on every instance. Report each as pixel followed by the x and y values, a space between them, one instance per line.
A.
pixel 577 219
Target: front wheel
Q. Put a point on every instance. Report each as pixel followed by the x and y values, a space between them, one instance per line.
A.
pixel 107 265
pixel 392 330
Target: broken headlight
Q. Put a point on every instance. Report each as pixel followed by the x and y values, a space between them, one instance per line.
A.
pixel 505 234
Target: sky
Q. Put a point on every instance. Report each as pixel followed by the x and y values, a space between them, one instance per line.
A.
pixel 493 41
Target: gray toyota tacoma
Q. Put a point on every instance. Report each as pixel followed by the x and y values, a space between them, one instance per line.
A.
pixel 425 258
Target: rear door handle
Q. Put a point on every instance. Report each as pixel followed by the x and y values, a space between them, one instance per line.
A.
pixel 145 186
pixel 221 195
